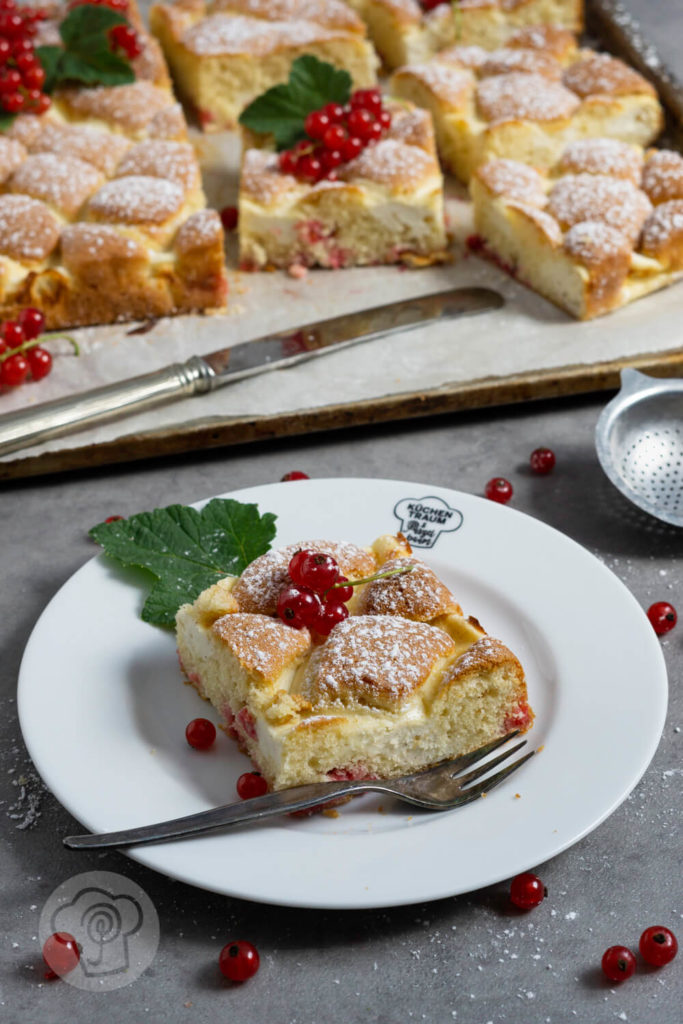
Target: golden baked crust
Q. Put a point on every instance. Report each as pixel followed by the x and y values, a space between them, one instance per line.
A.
pixel 527 102
pixel 407 685
pixel 225 53
pixel 99 198
pixel 586 234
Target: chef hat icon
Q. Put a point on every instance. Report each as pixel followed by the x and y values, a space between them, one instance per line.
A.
pixel 101 923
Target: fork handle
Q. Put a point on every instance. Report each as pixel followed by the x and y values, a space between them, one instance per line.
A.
pixel 299 798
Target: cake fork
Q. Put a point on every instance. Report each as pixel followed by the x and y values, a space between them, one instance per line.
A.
pixel 439 788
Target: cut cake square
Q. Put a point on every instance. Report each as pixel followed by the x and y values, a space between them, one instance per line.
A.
pixel 403 32
pixel 528 100
pixel 406 681
pixel 102 213
pixel 224 53
pixel 602 228
pixel 385 207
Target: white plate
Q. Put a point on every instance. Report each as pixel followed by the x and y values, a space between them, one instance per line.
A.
pixel 103 711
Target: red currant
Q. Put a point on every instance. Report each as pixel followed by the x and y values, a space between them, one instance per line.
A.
pixel 295 474
pixel 375 131
pixel 384 118
pixel 499 489
pixel 201 733
pixel 298 607
pixel 10 81
pixel 351 148
pixel 318 572
pixel 287 161
pixel 40 362
pixel 13 102
pixel 663 617
pixel 360 123
pixel 542 461
pixel 295 563
pixel 32 322
pixel 13 333
pixel 309 168
pixel 5 51
pixel 61 953
pixel 618 963
pixel 658 946
pixel 527 891
pixel 330 158
pixel 42 104
pixel 27 61
pixel 316 124
pixel 337 593
pixel 334 111
pixel 251 784
pixel 239 961
pixel 331 613
pixel 14 370
pixel 229 217
pixel 367 99
pixel 334 136
pixel 429 5
pixel 113 519
pixel 125 38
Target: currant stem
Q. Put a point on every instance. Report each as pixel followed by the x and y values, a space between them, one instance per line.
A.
pixel 370 579
pixel 34 342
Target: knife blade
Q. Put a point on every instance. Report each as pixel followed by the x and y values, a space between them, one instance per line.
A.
pixel 201 374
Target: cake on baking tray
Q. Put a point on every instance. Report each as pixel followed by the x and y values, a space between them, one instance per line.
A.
pixel 383 206
pixel 223 53
pixel 602 228
pixel 102 212
pixel 404 682
pixel 407 31
pixel 526 102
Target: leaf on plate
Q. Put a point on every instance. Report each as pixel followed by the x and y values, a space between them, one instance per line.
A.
pixel 282 110
pixel 186 550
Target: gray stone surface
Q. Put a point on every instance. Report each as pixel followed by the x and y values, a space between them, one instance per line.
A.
pixel 469 959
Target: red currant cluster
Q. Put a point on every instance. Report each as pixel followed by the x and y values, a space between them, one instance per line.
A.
pixel 317 596
pixel 121 37
pixel 21 74
pixel 20 353
pixel 336 135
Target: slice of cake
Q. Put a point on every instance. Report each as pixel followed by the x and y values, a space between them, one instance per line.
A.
pixel 404 682
pixel 602 228
pixel 406 31
pixel 224 53
pixel 527 102
pixel 102 213
pixel 385 206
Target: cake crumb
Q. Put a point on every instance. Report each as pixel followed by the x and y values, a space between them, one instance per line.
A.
pixel 330 812
pixel 298 271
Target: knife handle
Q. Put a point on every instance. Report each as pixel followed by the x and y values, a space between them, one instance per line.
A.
pixel 30 426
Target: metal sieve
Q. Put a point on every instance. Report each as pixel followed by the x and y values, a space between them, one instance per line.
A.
pixel 639 441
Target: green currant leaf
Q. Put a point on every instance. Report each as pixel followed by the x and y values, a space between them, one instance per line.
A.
pixel 6 121
pixel 86 27
pixel 50 57
pixel 282 110
pixel 186 550
pixel 101 67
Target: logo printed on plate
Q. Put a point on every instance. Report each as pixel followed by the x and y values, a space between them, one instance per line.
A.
pixel 423 520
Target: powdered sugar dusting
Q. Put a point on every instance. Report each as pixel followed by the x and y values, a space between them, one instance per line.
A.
pixel 602 75
pixel 137 199
pixel 529 97
pixel 264 646
pixel 62 181
pixel 417 594
pixel 603 156
pixel 392 162
pixel 507 60
pixel 664 228
pixel 593 242
pixel 597 197
pixel 450 84
pixel 514 181
pixel 663 175
pixel 27 228
pixel 374 661
pixel 222 34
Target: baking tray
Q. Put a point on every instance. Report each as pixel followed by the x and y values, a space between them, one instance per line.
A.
pixel 527 350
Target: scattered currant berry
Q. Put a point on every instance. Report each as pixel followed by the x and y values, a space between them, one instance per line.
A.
pixel 298 607
pixel 663 617
pixel 39 361
pixel 251 784
pixel 239 961
pixel 14 370
pixel 201 733
pixel 331 613
pixel 527 891
pixel 318 571
pixel 113 519
pixel 658 946
pixel 61 953
pixel 337 593
pixel 295 474
pixel 13 333
pixel 542 461
pixel 32 322
pixel 229 217
pixel 499 489
pixel 618 963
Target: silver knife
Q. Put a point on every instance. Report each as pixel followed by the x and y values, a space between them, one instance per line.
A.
pixel 205 373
